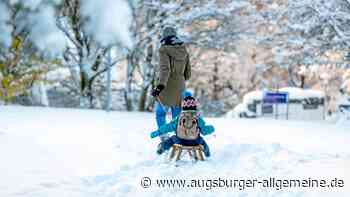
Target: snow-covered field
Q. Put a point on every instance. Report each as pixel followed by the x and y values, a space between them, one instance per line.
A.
pixel 68 153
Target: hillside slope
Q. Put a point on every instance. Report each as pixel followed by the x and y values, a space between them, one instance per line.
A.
pixel 67 152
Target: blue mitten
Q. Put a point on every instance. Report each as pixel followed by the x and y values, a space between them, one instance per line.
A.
pixel 206 130
pixel 154 134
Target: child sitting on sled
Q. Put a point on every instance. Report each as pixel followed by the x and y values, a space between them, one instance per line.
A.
pixel 187 126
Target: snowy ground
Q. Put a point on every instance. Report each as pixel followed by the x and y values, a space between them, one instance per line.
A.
pixel 68 153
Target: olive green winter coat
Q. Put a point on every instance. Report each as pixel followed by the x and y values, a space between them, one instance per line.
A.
pixel 174 69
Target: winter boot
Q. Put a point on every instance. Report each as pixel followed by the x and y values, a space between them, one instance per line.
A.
pixel 160 149
pixel 206 150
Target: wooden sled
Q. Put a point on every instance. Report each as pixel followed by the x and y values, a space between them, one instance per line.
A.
pixel 195 152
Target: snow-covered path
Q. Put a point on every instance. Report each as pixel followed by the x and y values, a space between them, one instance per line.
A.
pixel 66 152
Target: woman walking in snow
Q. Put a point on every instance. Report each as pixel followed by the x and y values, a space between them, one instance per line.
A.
pixel 174 70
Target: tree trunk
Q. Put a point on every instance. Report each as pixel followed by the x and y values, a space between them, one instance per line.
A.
pixel 302 84
pixel 143 99
pixel 108 105
pixel 128 88
pixel 84 98
pixel 291 80
pixel 148 77
pixel 151 101
pixel 215 83
pixel 39 95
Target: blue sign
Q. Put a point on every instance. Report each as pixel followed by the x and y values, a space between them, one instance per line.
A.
pixel 275 97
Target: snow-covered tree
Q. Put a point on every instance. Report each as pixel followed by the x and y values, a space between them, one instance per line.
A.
pixel 92 29
pixel 30 42
pixel 235 47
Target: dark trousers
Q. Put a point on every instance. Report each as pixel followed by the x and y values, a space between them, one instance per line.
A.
pixel 167 144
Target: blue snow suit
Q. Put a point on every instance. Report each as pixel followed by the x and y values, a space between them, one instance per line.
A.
pixel 172 126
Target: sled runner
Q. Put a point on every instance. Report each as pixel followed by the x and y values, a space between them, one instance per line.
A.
pixel 195 152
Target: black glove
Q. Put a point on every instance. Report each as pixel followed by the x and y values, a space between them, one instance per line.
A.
pixel 156 91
